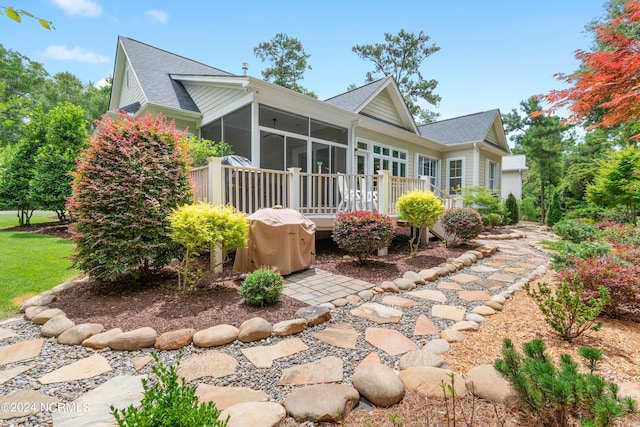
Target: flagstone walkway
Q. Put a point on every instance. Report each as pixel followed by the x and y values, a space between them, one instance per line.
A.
pixel 43 382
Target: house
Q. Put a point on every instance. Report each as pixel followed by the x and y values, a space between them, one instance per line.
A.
pixel 357 133
pixel 514 172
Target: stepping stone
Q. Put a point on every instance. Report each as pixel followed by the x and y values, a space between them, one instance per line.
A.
pixel 465 278
pixel 6 333
pixel 448 312
pixel 314 315
pixel 449 285
pixel 25 402
pixel 224 397
pixel 254 329
pixel 263 356
pixel 326 370
pixel 473 295
pixel 77 334
pixel 337 400
pixel 134 340
pixel 20 351
pixel 42 317
pixel 289 327
pixel 102 340
pixel 426 381
pixel 94 406
pixel 341 335
pixel 424 326
pixel 429 294
pixel 498 264
pixel 210 364
pixel 254 414
pixel 215 336
pixel 371 359
pixel 504 257
pixel 140 362
pixel 516 270
pixel 389 340
pixel 399 301
pixel 8 374
pixel 56 325
pixel 173 340
pixel 527 265
pixel 377 313
pixel 483 269
pixel 490 285
pixel 80 370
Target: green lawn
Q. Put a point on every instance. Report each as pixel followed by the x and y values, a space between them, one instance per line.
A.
pixel 30 263
pixel 11 220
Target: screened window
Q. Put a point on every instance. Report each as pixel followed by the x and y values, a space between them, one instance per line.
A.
pixel 234 129
pixel 492 175
pixel 328 132
pixel 281 120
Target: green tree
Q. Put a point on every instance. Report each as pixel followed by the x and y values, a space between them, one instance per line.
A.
pixel 288 62
pixel 543 139
pixel 19 169
pixel 618 182
pixel 17 14
pixel 401 57
pixel 65 136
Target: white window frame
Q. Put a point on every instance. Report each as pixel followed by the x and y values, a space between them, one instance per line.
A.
pixel 493 186
pixel 449 186
pixel 389 157
pixel 418 168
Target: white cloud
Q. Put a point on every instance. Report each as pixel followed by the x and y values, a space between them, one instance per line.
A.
pixel 76 54
pixel 101 83
pixel 158 16
pixel 79 7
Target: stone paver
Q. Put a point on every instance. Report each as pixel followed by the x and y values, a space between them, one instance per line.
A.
pixel 372 358
pixel 228 396
pixel 263 356
pixel 424 326
pixel 502 277
pixel 341 335
pixel 82 369
pixel 399 301
pixel 5 333
pixel 449 285
pixel 210 364
pixel 326 370
pixel 20 351
pixel 429 294
pixel 377 313
pixel 389 340
pixel 448 312
pixel 7 374
pixel 24 402
pixel 473 295
pixel 465 278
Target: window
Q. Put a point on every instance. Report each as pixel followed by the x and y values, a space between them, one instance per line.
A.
pixel 455 169
pixel 234 129
pixel 492 172
pixel 429 167
pixel 391 159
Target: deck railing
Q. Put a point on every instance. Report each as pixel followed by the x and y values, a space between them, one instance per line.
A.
pixel 313 194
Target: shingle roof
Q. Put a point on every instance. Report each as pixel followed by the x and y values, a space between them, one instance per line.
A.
pixel 470 128
pixel 153 67
pixel 354 99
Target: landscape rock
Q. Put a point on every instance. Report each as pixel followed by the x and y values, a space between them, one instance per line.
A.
pixel 483 310
pixel 475 317
pixel 215 335
pixel 134 340
pixel 452 335
pixel 377 313
pixel 466 325
pixel 56 325
pixel 32 311
pixel 174 339
pixel 78 333
pixel 289 327
pixel 366 294
pixel 254 414
pixel 495 305
pixel 421 357
pixel 101 340
pixel 57 290
pixel 314 315
pixel 437 346
pixel 404 284
pixel 429 275
pixel 326 370
pixel 426 381
pixel 321 402
pixel 487 383
pixel 353 299
pixel 44 316
pixel 254 329
pixel 340 302
pixel 379 384
pixel 414 277
pixel 389 286
pixel 42 299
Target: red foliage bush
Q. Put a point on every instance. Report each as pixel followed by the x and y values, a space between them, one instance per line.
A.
pixel 362 232
pixel 462 223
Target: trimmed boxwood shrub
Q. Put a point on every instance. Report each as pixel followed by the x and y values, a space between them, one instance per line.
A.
pixel 128 181
pixel 361 233
pixel 462 224
pixel 420 209
pixel 262 286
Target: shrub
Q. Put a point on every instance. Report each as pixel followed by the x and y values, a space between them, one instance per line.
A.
pixel 620 234
pixel 202 226
pixel 169 402
pixel 529 210
pixel 129 179
pixel 555 211
pixel 362 232
pixel 492 220
pixel 566 311
pixel 461 223
pixel 556 394
pixel 420 209
pixel 262 286
pixel 575 231
pixel 512 209
pixel 569 251
pixel 201 149
pixel 621 280
pixel 481 199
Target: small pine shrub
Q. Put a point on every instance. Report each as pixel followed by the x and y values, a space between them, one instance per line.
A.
pixel 420 209
pixel 575 230
pixel 555 212
pixel 128 181
pixel 560 395
pixel 462 224
pixel 492 220
pixel 361 233
pixel 169 402
pixel 566 310
pixel 530 211
pixel 513 210
pixel 262 287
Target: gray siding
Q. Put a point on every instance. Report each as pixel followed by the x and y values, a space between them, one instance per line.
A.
pixel 131 89
pixel 210 98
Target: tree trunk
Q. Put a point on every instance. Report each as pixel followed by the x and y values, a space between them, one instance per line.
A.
pixel 543 213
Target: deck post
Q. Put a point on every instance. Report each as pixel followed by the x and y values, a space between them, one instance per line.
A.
pixel 216 181
pixel 383 191
pixel 294 188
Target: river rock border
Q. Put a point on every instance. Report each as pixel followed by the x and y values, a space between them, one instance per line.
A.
pixel 377 383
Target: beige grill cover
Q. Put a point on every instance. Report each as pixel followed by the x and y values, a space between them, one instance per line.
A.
pixel 282 238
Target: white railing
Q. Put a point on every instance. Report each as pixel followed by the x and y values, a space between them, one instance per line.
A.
pixel 312 194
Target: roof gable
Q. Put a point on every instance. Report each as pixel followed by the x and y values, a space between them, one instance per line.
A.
pixel 152 68
pixel 485 126
pixel 380 100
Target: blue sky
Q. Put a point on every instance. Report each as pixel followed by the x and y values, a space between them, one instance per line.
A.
pixel 494 53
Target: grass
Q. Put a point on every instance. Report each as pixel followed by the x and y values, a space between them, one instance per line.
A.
pixel 11 220
pixel 31 263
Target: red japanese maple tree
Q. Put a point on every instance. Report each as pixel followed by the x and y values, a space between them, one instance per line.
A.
pixel 609 78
